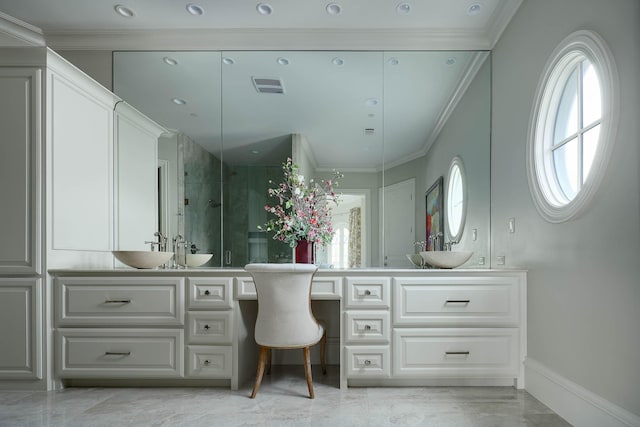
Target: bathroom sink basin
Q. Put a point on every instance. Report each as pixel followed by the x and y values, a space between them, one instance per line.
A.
pixel 142 259
pixel 416 259
pixel 445 259
pixel 195 260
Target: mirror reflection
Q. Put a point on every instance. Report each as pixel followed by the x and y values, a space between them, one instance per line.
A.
pixel 390 122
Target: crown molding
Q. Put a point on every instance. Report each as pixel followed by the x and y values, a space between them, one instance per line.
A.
pixel 501 20
pixel 270 39
pixel 17 33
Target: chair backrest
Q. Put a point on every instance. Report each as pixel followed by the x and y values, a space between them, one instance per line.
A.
pixel 284 305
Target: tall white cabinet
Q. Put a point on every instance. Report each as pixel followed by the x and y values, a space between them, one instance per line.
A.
pixel 73 169
pixel 21 338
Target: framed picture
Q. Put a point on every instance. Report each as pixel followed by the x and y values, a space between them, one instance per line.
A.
pixel 434 215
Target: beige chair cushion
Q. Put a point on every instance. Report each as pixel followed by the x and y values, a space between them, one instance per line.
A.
pixel 284 305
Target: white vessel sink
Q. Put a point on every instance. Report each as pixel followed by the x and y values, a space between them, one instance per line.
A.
pixel 416 259
pixel 142 259
pixel 445 259
pixel 195 260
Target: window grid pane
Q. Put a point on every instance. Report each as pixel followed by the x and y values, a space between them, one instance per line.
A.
pixel 566 121
pixel 567 168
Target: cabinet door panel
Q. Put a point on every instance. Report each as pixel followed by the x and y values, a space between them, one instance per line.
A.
pixel 20 329
pixel 20 162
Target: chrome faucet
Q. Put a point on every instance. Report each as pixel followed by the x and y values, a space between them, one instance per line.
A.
pixel 161 244
pixel 179 251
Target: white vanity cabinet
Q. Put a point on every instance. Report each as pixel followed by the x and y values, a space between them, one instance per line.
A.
pixel 119 327
pixel 209 351
pixel 367 327
pixel 459 328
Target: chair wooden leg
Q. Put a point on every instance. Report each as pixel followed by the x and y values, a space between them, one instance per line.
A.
pixel 262 359
pixel 307 370
pixel 323 352
pixel 269 362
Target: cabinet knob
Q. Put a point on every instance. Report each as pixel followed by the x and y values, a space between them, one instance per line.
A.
pixel 367 292
pixel 207 327
pixel 367 327
pixel 207 292
pixel 367 362
pixel 206 362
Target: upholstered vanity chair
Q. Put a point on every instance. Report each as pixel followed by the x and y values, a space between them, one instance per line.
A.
pixel 285 320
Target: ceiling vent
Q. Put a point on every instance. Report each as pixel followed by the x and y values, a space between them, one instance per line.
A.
pixel 369 131
pixel 268 85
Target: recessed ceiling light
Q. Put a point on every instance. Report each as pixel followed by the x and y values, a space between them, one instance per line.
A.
pixel 403 9
pixel 124 11
pixel 195 9
pixel 228 61
pixel 371 102
pixel 169 61
pixel 450 61
pixel 264 9
pixel 337 61
pixel 283 61
pixel 334 9
pixel 393 61
pixel 255 151
pixel 178 101
pixel 474 9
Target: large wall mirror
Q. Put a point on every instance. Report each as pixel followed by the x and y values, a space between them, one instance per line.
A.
pixel 390 122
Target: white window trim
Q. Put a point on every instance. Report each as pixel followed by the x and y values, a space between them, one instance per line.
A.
pixel 456 161
pixel 593 47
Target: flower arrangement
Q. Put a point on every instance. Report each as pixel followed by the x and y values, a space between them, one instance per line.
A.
pixel 301 211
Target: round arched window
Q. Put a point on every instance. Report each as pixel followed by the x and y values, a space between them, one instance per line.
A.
pixel 456 199
pixel 572 130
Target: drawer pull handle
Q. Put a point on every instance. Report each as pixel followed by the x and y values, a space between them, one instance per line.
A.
pixel 207 292
pixel 207 327
pixel 367 362
pixel 367 292
pixel 367 327
pixel 458 301
pixel 117 353
pixel 457 353
pixel 117 301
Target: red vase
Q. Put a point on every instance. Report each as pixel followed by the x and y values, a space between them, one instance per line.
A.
pixel 304 252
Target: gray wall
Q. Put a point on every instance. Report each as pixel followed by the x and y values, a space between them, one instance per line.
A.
pixel 96 63
pixel 584 275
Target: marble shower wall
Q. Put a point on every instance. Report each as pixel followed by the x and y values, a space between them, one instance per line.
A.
pixel 202 199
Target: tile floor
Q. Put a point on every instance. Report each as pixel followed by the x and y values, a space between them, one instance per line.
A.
pixel 282 401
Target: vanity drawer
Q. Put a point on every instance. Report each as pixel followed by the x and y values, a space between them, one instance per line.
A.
pixel 211 293
pixel 446 352
pixel 367 326
pixel 119 353
pixel 367 292
pixel 322 288
pixel 95 301
pixel 449 301
pixel 368 361
pixel 209 361
pixel 209 327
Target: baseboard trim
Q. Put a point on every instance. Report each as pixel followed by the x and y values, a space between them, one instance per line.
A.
pixel 573 402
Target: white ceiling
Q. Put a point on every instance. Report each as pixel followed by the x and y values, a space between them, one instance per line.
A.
pixel 324 102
